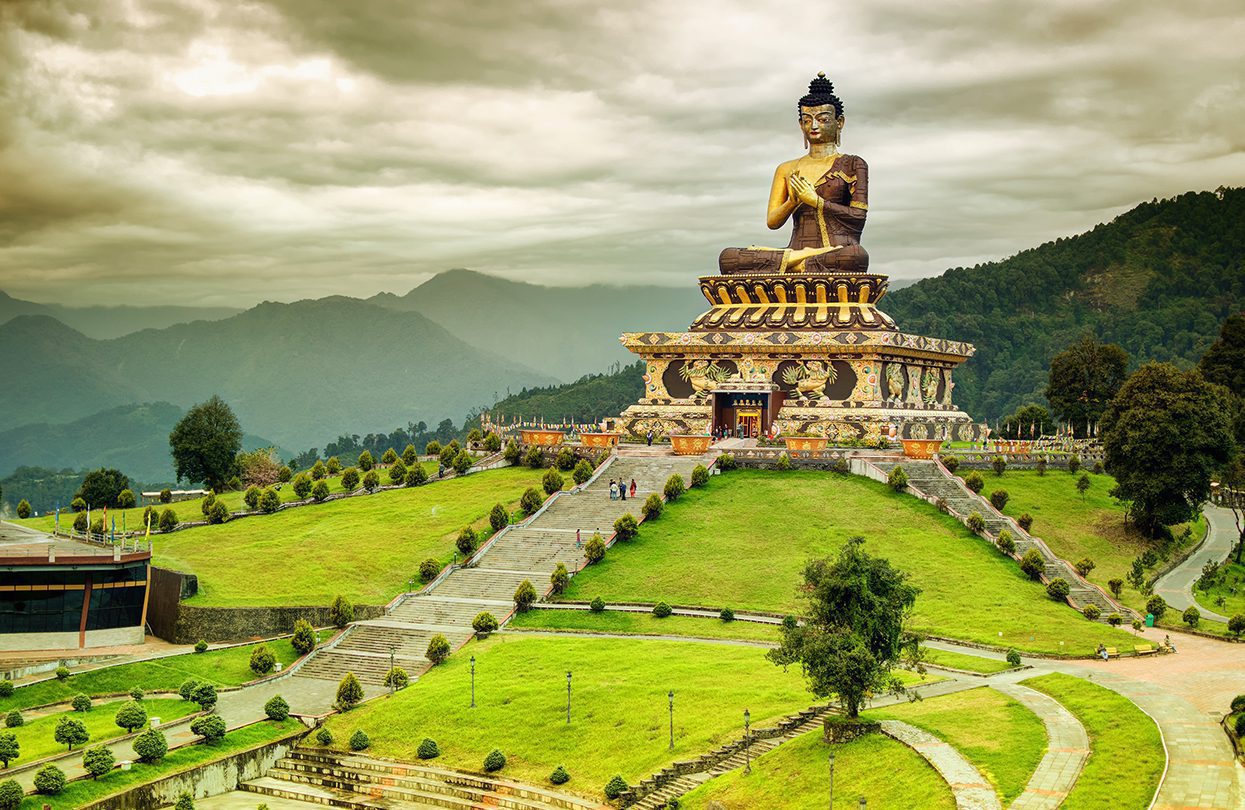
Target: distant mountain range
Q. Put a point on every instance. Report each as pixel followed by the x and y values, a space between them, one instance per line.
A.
pixel 103 323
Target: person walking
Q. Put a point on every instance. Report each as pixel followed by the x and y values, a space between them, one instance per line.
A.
pixel 622 489
pixel 633 487
pixel 613 490
pixel 649 437
pixel 579 543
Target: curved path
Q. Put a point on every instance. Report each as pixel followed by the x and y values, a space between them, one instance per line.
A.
pixel 1176 586
pixel 1067 748
pixel 971 790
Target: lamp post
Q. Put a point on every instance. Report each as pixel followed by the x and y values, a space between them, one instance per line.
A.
pixel 473 681
pixel 389 674
pixel 862 803
pixel 568 697
pixel 747 742
pixel 671 696
pixel 831 780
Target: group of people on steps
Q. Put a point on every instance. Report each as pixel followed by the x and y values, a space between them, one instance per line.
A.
pixel 618 489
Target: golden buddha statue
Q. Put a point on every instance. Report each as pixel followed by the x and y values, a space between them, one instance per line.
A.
pixel 825 193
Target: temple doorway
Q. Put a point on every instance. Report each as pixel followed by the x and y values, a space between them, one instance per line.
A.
pixel 743 414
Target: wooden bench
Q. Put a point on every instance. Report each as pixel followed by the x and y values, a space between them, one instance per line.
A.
pixel 1145 649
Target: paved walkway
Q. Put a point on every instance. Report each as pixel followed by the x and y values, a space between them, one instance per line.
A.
pixel 1067 747
pixel 970 788
pixel 1176 586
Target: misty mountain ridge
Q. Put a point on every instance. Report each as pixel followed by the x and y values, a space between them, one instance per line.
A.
pixel 103 322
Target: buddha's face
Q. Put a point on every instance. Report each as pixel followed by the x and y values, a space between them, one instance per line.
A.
pixel 819 124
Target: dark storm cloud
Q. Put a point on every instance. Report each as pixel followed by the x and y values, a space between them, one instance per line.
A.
pixel 237 151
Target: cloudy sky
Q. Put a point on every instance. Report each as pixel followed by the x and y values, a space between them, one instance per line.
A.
pixel 226 152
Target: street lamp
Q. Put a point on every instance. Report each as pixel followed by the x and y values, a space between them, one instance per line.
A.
pixel 671 696
pixel 831 779
pixel 473 681
pixel 747 742
pixel 568 697
pixel 862 803
pixel 389 676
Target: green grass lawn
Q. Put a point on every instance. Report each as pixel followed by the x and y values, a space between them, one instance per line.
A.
pixel 1075 527
pixel 997 734
pixel 743 539
pixel 796 776
pixel 37 736
pixel 228 667
pixel 619 715
pixel 1126 757
pixel 965 661
pixel 84 792
pixel 1230 588
pixel 364 548
pixel 192 510
pixel 617 621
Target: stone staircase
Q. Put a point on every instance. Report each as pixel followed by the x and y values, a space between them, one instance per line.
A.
pixel 362 783
pixel 656 791
pixel 929 478
pixel 487 582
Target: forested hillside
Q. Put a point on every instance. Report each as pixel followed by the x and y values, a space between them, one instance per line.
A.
pixel 1159 280
pixel 588 399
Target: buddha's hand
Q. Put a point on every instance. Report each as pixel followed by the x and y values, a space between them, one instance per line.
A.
pixel 802 190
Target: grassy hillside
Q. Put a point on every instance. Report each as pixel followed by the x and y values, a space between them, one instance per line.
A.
pixel 1158 280
pixel 741 541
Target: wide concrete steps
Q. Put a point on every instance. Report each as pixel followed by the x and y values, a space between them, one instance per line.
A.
pixel 354 781
pixel 489 584
pixel 439 610
pixel 660 799
pixel 404 643
pixel 533 550
pixel 332 665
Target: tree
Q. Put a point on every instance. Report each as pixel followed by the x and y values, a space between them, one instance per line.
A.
pixel 674 487
pixel 251 497
pixel 366 461
pixel 854 632
pixel 1191 616
pixel 151 745
pixel 211 727
pixel 1083 484
pixel 81 703
pixel 262 660
pixel 304 639
pixel 594 549
pixel 524 596
pixel 70 732
pixel 461 462
pixel 205 443
pixel 205 695
pixel 302 486
pixel 130 716
pixel 466 543
pixel 350 479
pixel 318 471
pixel 269 501
pixel 276 708
pixel 531 500
pixel 126 499
pixel 1224 362
pixel 49 781
pixel 23 509
pixel 168 520
pixel 259 468
pixel 397 471
pixel 438 649
pixel 320 492
pixel 10 748
pixel 218 513
pixel 371 480
pixel 342 612
pixel 389 456
pixel 333 466
pixel 484 623
pixel 349 692
pixel 102 487
pixel 1028 422
pixel 560 578
pixel 582 471
pixel 1083 380
pixel 1165 436
pixel 416 475
pixel 409 456
pixel 498 518
pixel 11 794
pixel 626 527
pixel 185 802
pixel 1156 606
pixel 98 760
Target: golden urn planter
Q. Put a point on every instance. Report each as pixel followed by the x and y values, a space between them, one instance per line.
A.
pixel 921 448
pixel 806 444
pixel 544 438
pixel 690 445
pixel 598 439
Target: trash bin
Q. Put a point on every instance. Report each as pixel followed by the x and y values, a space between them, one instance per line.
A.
pixel 1149 620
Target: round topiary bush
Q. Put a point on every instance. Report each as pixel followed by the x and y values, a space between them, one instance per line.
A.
pixel 524 596
pixel 428 749
pixel 1032 563
pixel 661 610
pixel 484 623
pixel 565 459
pixel 397 472
pixel 1006 543
pixel 6 688
pixel 952 463
pixel 999 499
pixel 652 507
pixel 1156 606
pixel 276 708
pixel 726 462
pixel 615 787
pixel 438 649
pixel 1115 620
pixel 187 689
pixel 14 719
pixel 1013 657
pixel 211 727
pixel 897 479
pixel 168 520
pixel 674 487
pixel 975 522
pixel 552 481
pixel 560 578
pixel 597 605
pixel 626 527
pixel 251 497
pixel 495 761
pixel 151 745
pixel 1091 612
pixel 999 464
pixel 62 672
pixel 324 736
pixel 727 615
pixel 594 549
pixel 1236 625
pixel 1191 616
pixel 262 660
pixel 304 639
pixel 359 741
pixel 583 471
pixel 974 481
pixel 428 570
pixel 531 501
pixel 700 475
pixel 416 476
pixel 49 780
pixel 81 703
pixel 130 716
pixel 219 513
pixel 559 776
pixel 1058 589
pixel 397 678
pixel 534 458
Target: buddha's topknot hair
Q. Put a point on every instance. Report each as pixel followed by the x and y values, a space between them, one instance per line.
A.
pixel 821 93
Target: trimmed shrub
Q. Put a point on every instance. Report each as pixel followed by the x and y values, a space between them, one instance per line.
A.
pixel 350 479
pixel 432 448
pixel 700 475
pixel 999 464
pixel 397 678
pixel 205 695
pixel 1091 612
pixel 187 689
pixel 1115 619
pixel 389 456
pixel 130 716
pixel 727 615
pixel 211 727
pixel 371 480
pixel 495 761
pixel 304 639
pixel 185 802
pixel 582 472
pixel 484 623
pixel 783 463
pixel 201 646
pixel 438 649
pixel 10 748
pixel 208 501
pixel 79 505
pixel 168 520
pixel 125 499
pixel 1005 543
pixel 262 660
pixel 674 487
pixel 615 787
pixel 999 499
pixel 449 453
pixel 70 732
pixel 974 481
pixel 466 542
pixel 1083 484
pixel 318 471
pixel 1085 566
pixel 49 781
pixel 81 703
pixel 365 461
pixel 492 442
pixel 349 692
pixel 79 522
pixel 462 462
pixel 1156 606
pixel 416 475
pixel 285 474
pixel 552 482
pixel 219 513
pixel 14 719
pixel 559 776
pixel 975 522
pixel 333 466
pixel 661 610
pixel 597 605
pixel 1032 563
pixel 277 709
pixel 320 492
pixel 251 497
pixel 1025 521
pixel 626 528
pixel 560 578
pixel 428 570
pixel 952 463
pixel 359 741
pixel 512 453
pixel 269 501
pixel 428 749
pixel 897 479
pixel 62 672
pixel 1058 589
pixel 1236 625
pixel 1191 616
pixel 498 518
pixel 565 459
pixel 342 612
pixel 6 688
pixel 324 736
pixel 594 549
pixel 11 794
pixel 1116 585
pixel 409 455
pixel 534 458
pixel 1074 463
pixel 302 486
pixel 524 595
pixel 652 507
pixel 531 501
pixel 726 462
pixel 1013 657
pixel 98 761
